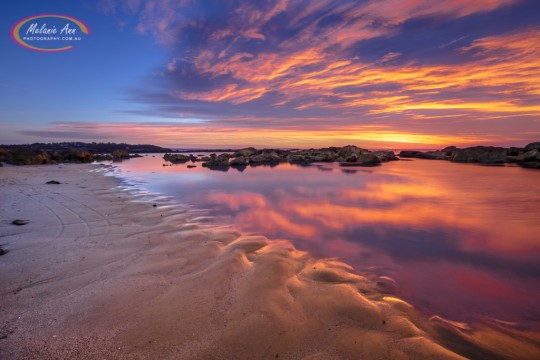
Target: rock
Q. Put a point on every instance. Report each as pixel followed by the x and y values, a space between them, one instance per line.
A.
pixel 26 156
pixel 270 156
pixel 253 159
pixel 75 156
pixel 410 154
pixel 176 158
pixel 53 182
pixel 348 151
pixel 216 162
pixel 514 151
pixel 434 155
pixel 369 159
pixel 191 166
pixel 449 149
pixel 120 154
pixel 531 155
pixel 385 156
pixel 353 157
pixel 2 252
pixel 20 222
pixel 481 154
pixel 192 158
pixel 239 161
pixel 247 152
pixel 532 146
pixel 296 158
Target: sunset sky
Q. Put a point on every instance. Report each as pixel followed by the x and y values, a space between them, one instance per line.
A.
pixel 285 73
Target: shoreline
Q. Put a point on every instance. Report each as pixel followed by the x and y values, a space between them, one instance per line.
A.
pixel 99 273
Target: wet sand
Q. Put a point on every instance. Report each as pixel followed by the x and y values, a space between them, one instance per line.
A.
pixel 99 272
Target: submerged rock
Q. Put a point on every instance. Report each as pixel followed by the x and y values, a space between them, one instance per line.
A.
pixel 53 182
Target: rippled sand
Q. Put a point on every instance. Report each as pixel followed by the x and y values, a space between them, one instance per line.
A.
pixel 100 272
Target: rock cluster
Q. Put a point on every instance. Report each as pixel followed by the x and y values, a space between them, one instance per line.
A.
pixel 528 156
pixel 347 156
pixel 27 156
pixel 72 152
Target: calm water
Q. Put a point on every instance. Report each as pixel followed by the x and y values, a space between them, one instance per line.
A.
pixel 461 241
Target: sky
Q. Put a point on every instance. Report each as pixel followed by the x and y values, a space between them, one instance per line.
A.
pixel 286 73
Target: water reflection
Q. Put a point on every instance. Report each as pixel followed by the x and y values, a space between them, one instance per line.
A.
pixel 460 240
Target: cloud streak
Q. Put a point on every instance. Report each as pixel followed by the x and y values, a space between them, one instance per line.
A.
pixel 301 63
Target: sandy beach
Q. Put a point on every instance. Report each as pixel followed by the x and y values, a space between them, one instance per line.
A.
pixel 101 272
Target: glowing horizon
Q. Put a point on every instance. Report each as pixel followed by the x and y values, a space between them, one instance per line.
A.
pixel 288 73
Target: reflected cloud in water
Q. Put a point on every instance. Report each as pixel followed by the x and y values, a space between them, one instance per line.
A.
pixel 460 240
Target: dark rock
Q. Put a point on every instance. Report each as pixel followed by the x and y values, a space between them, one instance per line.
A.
pixel 348 151
pixel 434 155
pixel 20 222
pixel 257 159
pixel 449 149
pixel 239 161
pixel 271 156
pixel 176 158
pixel 2 252
pixel 481 154
pixel 27 156
pixel 296 158
pixel 352 157
pixel 247 152
pixel 369 159
pixel 192 158
pixel 385 156
pixel 53 182
pixel 75 156
pixel 120 154
pixel 410 154
pixel 533 146
pixel 191 166
pixel 531 155
pixel 216 161
pixel 514 151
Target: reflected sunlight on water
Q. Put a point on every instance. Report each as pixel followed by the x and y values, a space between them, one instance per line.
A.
pixel 461 241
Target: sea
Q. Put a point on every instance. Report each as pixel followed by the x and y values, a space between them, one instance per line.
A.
pixel 460 241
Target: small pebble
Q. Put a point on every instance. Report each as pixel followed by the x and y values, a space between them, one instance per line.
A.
pixel 20 222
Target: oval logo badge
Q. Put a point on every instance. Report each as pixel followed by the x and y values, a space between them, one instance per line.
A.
pixel 49 32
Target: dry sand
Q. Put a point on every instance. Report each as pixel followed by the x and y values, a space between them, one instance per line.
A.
pixel 97 273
